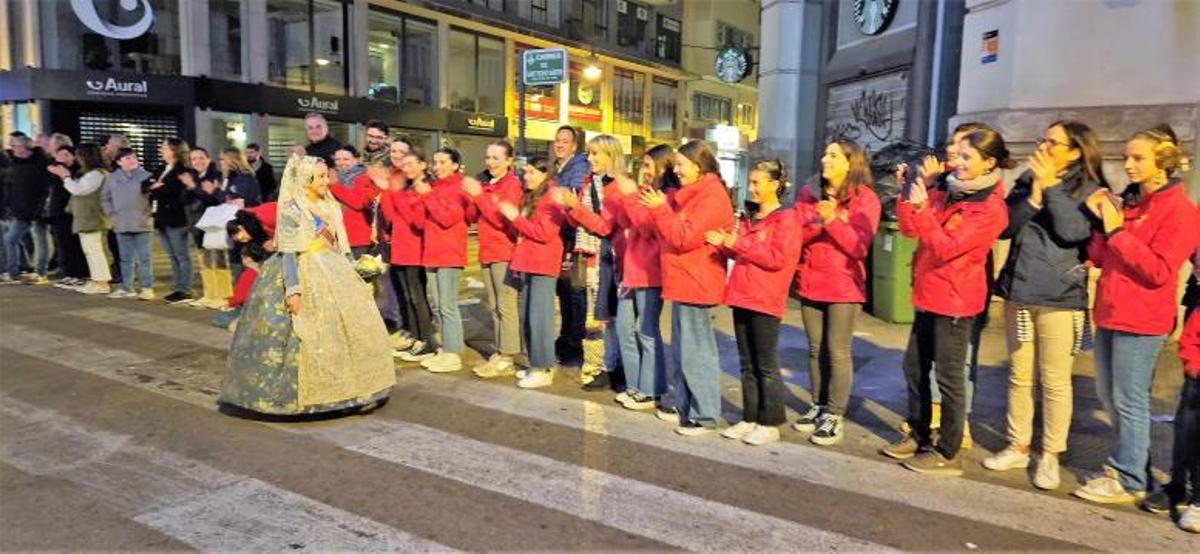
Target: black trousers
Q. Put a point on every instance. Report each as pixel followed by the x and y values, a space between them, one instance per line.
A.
pixel 113 248
pixel 67 248
pixel 572 305
pixel 941 342
pixel 762 387
pixel 1185 457
pixel 409 281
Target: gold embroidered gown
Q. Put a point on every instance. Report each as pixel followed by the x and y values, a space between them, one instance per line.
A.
pixel 334 353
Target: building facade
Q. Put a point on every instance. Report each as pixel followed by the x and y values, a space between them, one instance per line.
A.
pixel 442 72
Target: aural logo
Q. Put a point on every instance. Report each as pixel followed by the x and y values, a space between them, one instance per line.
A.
pixel 113 87
pixel 316 104
pixel 85 10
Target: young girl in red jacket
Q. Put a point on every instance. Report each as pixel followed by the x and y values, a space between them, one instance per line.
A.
pixel 693 280
pixel 839 214
pixel 401 206
pixel 765 249
pixel 498 183
pixel 1148 232
pixel 537 258
pixel 955 230
pixel 444 251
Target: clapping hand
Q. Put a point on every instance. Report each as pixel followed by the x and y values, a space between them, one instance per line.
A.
pixel 509 211
pixel 59 171
pixel 827 210
pixel 208 186
pixel 931 169
pixel 187 180
pixel 917 195
pixel 566 198
pixel 472 187
pixel 422 188
pixel 653 198
pixel 716 237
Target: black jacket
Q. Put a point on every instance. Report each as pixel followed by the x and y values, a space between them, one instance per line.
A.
pixel 59 195
pixel 1045 265
pixel 244 186
pixel 169 201
pixel 28 185
pixel 324 149
pixel 267 185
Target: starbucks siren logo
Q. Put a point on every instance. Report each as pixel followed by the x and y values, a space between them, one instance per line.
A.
pixel 85 10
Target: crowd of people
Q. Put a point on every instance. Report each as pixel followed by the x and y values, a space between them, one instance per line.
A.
pixel 318 327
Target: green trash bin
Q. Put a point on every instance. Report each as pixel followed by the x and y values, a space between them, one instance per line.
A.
pixel 891 279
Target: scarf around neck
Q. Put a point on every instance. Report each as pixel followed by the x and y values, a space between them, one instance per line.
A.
pixel 959 189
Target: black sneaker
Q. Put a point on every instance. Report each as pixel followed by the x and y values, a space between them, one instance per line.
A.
pixel 600 382
pixel 829 432
pixel 931 462
pixel 809 420
pixel 902 449
pixel 177 297
pixel 1162 500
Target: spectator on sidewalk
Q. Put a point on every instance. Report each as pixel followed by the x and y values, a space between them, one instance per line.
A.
pixel 66 243
pixel 401 206
pixel 167 201
pixel 320 143
pixel 1044 284
pixel 27 187
pixel 89 220
pixel 571 171
pixel 252 255
pixel 765 249
pixel 126 199
pixel 955 230
pixel 839 214
pixel 264 173
pixel 1147 233
pixel 495 184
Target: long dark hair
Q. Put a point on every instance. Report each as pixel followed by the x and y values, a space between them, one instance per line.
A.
pixel 89 157
pixel 664 167
pixel 530 199
pixel 702 155
pixel 859 173
pixel 1084 138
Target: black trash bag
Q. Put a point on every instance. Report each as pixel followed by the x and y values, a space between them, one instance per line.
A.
pixel 883 167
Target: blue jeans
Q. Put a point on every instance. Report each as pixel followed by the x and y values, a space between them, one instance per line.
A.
pixel 41 244
pixel 445 284
pixel 1124 373
pixel 14 235
pixel 175 242
pixel 135 247
pixel 697 365
pixel 642 351
pixel 537 319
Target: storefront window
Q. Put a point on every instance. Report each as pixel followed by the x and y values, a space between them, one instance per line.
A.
pixel 477 82
pixel 628 101
pixel 584 103
pixel 306 45
pixel 225 38
pixel 228 129
pixel 663 102
pixel 711 108
pixel 70 43
pixel 401 65
pixel 284 133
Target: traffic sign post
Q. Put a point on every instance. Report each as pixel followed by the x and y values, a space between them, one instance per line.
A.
pixel 546 67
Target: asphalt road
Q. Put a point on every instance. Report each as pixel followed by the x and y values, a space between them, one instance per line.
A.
pixel 110 439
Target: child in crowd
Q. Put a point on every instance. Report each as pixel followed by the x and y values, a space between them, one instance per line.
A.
pixel 252 254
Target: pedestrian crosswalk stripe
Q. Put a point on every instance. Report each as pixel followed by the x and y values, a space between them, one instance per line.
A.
pixel 187 499
pixel 1016 509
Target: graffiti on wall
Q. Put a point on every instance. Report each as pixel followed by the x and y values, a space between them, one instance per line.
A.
pixel 870 111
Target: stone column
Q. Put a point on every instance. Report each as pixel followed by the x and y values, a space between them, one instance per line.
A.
pixel 788 83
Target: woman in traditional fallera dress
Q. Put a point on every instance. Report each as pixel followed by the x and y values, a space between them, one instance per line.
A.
pixel 310 339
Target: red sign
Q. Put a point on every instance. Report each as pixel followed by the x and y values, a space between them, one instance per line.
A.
pixel 585 114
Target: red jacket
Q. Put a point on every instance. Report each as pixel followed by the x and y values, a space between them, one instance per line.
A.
pixel 1140 263
pixel 447 208
pixel 610 223
pixel 357 201
pixel 953 243
pixel 403 209
pixel 267 215
pixel 693 271
pixel 833 264
pixel 539 248
pixel 765 255
pixel 241 290
pixel 643 257
pixel 496 235
pixel 1189 345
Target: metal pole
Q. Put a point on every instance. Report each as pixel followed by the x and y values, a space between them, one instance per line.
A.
pixel 521 108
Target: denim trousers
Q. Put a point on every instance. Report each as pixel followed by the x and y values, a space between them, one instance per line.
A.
pixel 1124 372
pixel 697 369
pixel 640 337
pixel 14 237
pixel 41 245
pixel 175 241
pixel 135 247
pixel 445 285
pixel 537 319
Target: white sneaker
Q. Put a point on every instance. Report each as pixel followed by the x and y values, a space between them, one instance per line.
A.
pixel 763 434
pixel 1046 477
pixel 449 362
pixel 639 402
pixel 1105 489
pixel 122 293
pixel 739 430
pixel 807 422
pixel 146 294
pixel 1189 520
pixel 669 414
pixel 521 373
pixel 498 365
pixel 1009 458
pixel 400 341
pixel 436 358
pixel 691 429
pixel 622 397
pixel 416 353
pixel 95 287
pixel 536 379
